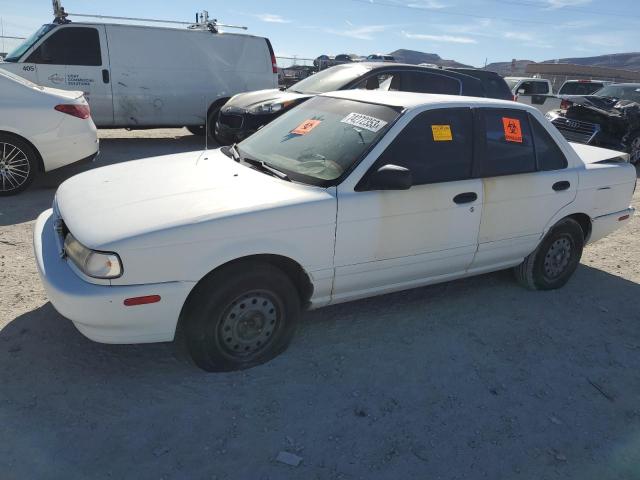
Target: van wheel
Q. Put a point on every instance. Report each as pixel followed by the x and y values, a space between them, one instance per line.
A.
pixel 18 165
pixel 552 264
pixel 198 130
pixel 242 316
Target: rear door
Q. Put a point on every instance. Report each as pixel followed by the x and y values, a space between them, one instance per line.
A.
pixel 525 181
pixel 76 57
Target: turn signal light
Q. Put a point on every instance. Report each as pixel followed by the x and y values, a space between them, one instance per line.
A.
pixel 131 302
pixel 80 111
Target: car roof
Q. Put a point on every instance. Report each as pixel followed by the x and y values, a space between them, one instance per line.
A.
pixel 410 100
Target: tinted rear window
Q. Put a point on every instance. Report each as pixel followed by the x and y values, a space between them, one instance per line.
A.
pixel 430 83
pixel 579 88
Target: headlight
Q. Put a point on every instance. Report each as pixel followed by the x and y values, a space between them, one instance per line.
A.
pixel 270 107
pixel 92 263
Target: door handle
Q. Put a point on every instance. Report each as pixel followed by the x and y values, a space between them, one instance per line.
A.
pixel 563 185
pixel 105 75
pixel 466 197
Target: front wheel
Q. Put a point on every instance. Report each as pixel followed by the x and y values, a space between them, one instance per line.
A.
pixel 552 264
pixel 18 165
pixel 241 316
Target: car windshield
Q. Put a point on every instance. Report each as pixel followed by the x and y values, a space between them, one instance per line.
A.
pixel 15 55
pixel 320 140
pixel 334 78
pixel 579 88
pixel 621 92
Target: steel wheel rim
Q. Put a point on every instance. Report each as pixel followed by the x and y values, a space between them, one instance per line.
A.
pixel 249 324
pixel 557 258
pixel 14 167
pixel 635 150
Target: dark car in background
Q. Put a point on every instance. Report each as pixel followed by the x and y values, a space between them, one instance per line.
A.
pixel 582 87
pixel 610 118
pixel 494 85
pixel 246 112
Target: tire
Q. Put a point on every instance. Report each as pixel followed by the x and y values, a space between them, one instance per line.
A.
pixel 198 130
pixel 241 316
pixel 18 165
pixel 634 149
pixel 212 118
pixel 552 264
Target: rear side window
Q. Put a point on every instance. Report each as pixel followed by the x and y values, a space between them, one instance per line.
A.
pixel 579 88
pixel 429 83
pixel 534 88
pixel 508 145
pixel 496 87
pixel 548 153
pixel 437 146
pixel 69 46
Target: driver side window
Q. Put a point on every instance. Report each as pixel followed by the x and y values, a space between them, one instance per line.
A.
pixel 69 46
pixel 436 146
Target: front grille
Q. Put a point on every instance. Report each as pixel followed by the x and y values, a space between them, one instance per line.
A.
pixel 231 120
pixel 576 130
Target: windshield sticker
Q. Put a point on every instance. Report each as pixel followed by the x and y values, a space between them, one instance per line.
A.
pixel 364 121
pixel 306 126
pixel 441 133
pixel 512 129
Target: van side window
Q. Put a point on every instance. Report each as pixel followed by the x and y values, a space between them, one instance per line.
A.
pixel 548 153
pixel 508 145
pixel 437 146
pixel 69 46
pixel 429 83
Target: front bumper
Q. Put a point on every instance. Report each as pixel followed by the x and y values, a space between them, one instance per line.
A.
pixel 98 311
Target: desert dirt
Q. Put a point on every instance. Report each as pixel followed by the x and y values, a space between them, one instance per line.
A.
pixel 472 379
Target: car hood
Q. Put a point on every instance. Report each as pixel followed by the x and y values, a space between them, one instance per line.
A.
pixel 106 206
pixel 249 99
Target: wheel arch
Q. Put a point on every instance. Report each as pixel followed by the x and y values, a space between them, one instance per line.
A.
pixel 41 168
pixel 296 273
pixel 585 223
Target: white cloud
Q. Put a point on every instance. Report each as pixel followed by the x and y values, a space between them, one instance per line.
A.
pixel 359 33
pixel 603 40
pixel 428 4
pixel 566 3
pixel 522 36
pixel 438 38
pixel 271 18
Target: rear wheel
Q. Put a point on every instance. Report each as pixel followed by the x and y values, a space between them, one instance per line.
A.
pixel 18 165
pixel 241 316
pixel 634 149
pixel 552 264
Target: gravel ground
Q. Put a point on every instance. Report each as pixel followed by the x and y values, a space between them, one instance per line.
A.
pixel 471 379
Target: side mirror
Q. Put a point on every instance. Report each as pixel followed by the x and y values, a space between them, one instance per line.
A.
pixel 521 91
pixel 389 177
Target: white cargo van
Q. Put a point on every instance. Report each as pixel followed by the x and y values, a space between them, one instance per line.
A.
pixel 141 76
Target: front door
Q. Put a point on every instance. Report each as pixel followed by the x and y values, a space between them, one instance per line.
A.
pixel 388 240
pixel 76 58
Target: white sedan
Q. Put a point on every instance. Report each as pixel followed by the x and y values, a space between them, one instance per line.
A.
pixel 349 195
pixel 41 129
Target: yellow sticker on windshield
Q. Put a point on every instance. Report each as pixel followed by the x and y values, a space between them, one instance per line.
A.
pixel 441 133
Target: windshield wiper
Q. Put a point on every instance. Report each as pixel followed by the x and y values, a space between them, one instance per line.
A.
pixel 265 167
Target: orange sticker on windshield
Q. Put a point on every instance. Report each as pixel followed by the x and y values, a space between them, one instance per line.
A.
pixel 512 129
pixel 306 126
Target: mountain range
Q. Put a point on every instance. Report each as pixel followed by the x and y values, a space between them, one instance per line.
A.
pixel 623 61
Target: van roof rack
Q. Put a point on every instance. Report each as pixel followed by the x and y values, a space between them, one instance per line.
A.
pixel 202 19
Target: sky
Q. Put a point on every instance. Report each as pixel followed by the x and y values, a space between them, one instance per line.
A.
pixel 469 31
